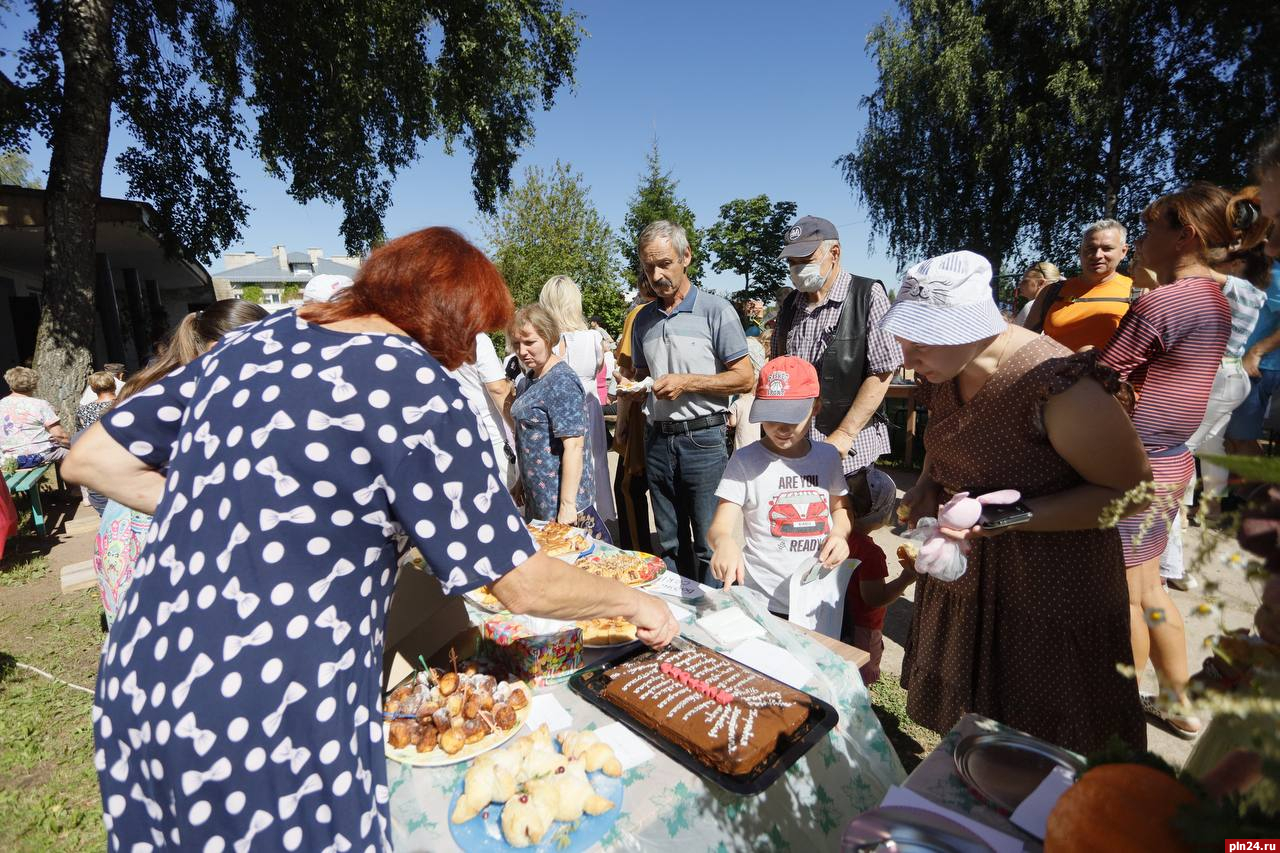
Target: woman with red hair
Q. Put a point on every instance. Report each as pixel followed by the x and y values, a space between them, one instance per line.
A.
pixel 238 693
pixel 1169 346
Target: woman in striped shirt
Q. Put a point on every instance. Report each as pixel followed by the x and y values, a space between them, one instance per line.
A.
pixel 1246 291
pixel 1169 347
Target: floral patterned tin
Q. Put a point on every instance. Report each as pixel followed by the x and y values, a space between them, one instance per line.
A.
pixel 533 648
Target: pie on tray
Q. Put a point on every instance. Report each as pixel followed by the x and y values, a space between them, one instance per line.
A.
pixel 559 539
pixel 607 632
pixel 631 567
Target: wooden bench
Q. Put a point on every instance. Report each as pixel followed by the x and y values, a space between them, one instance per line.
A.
pixel 27 480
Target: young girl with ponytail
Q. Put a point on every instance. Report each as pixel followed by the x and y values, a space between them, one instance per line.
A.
pixel 123 531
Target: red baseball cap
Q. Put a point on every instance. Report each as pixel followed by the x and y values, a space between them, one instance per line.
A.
pixel 785 392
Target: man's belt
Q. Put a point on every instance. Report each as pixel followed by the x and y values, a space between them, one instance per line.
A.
pixel 681 427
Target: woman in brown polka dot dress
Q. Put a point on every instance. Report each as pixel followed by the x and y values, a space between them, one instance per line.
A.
pixel 1032 633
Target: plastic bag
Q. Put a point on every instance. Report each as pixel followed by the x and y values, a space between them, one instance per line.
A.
pixel 944 558
pixel 819 604
pixel 939 556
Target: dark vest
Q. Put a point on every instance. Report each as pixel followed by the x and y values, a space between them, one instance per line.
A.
pixel 844 362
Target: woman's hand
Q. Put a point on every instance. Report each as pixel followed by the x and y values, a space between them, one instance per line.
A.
pixel 975 532
pixel 922 500
pixel 567 515
pixel 655 625
pixel 834 551
pixel 727 564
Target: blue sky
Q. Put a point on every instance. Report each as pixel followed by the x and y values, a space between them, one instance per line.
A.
pixel 745 98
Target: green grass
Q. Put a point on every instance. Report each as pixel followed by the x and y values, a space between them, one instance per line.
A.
pixel 912 742
pixel 48 787
pixel 31 569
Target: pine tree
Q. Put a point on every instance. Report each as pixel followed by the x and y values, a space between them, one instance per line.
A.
pixel 655 199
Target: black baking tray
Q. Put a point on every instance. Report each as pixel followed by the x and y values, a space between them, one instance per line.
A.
pixel 590 683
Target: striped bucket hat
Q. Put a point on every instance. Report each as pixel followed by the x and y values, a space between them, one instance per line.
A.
pixel 946 301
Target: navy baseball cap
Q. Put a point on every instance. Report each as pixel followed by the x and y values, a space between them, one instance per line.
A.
pixel 806 235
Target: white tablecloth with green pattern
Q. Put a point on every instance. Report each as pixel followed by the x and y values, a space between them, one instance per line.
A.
pixel 666 807
pixel 936 780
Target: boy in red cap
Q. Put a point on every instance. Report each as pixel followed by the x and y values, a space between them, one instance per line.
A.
pixel 788 493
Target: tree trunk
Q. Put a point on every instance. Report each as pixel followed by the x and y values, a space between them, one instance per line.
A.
pixel 1111 198
pixel 1115 78
pixel 64 343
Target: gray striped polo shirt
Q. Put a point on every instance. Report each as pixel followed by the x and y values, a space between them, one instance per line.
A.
pixel 702 335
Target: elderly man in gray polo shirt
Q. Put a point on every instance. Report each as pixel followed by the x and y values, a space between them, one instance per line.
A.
pixel 691 342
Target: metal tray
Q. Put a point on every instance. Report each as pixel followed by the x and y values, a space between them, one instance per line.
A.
pixel 1003 768
pixel 909 830
pixel 590 683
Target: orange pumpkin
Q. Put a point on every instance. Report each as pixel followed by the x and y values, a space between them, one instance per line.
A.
pixel 1119 808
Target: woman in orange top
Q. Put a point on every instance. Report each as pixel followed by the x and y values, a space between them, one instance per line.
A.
pixel 1085 312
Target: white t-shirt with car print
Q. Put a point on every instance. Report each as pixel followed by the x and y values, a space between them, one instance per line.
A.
pixel 786 508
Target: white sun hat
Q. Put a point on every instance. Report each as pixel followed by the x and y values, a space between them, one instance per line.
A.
pixel 322 288
pixel 946 301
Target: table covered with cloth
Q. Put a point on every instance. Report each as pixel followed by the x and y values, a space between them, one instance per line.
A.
pixel 936 779
pixel 666 807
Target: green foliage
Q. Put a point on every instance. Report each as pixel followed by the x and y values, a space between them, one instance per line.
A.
pixel 546 226
pixel 1255 469
pixel 334 103
pixel 1003 127
pixel 16 169
pixel 655 198
pixel 290 292
pixel 251 293
pixel 747 239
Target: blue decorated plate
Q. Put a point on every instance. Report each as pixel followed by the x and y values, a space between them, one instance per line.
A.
pixel 485 831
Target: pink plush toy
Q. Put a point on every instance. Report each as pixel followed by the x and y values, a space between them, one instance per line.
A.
pixel 945 558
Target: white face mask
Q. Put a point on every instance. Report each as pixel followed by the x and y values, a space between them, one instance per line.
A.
pixel 808 278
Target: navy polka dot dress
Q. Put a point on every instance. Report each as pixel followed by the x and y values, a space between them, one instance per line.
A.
pixel 238 702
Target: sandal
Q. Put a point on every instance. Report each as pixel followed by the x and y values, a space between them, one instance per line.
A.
pixel 1174 722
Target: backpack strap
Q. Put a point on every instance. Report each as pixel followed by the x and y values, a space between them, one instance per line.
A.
pixel 1035 322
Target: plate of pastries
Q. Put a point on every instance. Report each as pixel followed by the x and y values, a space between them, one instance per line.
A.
pixel 559 540
pixel 435 718
pixel 540 792
pixel 634 568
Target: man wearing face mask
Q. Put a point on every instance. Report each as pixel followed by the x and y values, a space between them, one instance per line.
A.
pixel 691 342
pixel 832 320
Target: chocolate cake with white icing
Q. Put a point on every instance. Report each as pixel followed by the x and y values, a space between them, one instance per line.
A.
pixel 726 715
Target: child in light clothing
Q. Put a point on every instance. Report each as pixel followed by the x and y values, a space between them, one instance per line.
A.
pixel 869 596
pixel 788 493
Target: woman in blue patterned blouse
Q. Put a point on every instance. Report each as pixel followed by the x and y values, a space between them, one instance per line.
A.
pixel 556 481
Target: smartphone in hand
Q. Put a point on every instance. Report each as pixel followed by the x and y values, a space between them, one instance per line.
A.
pixel 999 516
